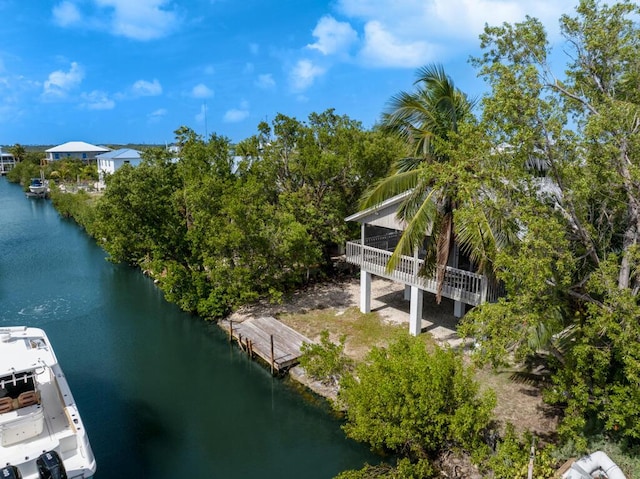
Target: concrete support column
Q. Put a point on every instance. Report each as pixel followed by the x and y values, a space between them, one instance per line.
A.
pixel 365 291
pixel 458 309
pixel 415 311
pixel 407 292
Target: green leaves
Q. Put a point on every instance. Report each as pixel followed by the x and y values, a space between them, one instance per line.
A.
pixel 569 175
pixel 217 231
pixel 325 361
pixel 408 400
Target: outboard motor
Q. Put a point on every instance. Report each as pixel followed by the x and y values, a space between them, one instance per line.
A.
pixel 10 472
pixel 50 466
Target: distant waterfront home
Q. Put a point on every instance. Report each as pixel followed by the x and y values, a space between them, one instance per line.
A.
pixel 7 162
pixel 379 234
pixel 76 150
pixel 109 162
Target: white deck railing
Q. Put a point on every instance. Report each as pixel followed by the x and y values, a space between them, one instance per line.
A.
pixel 459 285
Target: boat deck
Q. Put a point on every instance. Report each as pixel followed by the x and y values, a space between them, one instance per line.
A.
pixel 271 340
pixel 58 432
pixel 42 416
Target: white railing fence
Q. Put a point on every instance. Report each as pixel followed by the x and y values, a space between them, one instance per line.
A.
pixel 460 285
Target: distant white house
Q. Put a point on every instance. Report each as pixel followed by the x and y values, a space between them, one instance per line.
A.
pixel 109 162
pixel 7 162
pixel 77 150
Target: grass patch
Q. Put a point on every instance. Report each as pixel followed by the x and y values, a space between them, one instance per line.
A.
pixel 363 331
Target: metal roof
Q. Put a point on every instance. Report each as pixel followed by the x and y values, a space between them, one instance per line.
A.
pixel 77 147
pixel 383 214
pixel 120 154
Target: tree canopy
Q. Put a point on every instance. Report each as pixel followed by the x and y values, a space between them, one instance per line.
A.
pixel 226 224
pixel 406 400
pixel 565 159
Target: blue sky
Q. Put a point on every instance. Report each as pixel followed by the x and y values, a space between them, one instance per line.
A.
pixel 133 71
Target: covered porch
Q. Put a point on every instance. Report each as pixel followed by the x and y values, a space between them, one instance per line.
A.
pixel 380 233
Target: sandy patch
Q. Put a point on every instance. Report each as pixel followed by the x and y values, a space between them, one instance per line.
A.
pixel 518 403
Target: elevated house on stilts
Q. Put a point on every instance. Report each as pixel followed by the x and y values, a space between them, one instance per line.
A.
pixel 379 234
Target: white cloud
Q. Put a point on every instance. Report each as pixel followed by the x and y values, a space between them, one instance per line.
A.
pixel 455 18
pixel 333 36
pixel 418 31
pixel 157 115
pixel 60 82
pixel 202 115
pixel 304 74
pixel 471 16
pixel 383 49
pixel 66 14
pixel 140 19
pixel 265 81
pixel 236 115
pixel 97 100
pixel 254 48
pixel 146 88
pixel 136 19
pixel 201 91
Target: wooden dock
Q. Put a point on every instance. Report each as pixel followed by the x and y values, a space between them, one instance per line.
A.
pixel 266 337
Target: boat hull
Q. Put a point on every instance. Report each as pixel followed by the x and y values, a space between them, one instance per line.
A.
pixel 39 419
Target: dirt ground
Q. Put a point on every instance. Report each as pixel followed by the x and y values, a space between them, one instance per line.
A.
pixel 518 403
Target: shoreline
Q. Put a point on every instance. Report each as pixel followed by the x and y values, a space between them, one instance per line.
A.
pixel 339 295
pixel 518 403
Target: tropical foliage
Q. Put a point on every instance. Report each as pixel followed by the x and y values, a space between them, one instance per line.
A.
pixel 429 122
pixel 541 190
pixel 570 173
pixel 224 225
pixel 325 361
pixel 409 401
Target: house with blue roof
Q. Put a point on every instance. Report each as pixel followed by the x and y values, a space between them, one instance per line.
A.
pixel 110 162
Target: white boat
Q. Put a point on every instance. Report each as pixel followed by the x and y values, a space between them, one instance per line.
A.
pixel 41 433
pixel 38 186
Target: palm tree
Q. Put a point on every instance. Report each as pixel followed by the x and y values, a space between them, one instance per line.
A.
pixel 426 120
pixel 18 151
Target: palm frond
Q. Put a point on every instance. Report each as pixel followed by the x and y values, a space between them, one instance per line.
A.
pixel 483 232
pixel 411 205
pixel 407 164
pixel 414 234
pixel 434 110
pixel 389 187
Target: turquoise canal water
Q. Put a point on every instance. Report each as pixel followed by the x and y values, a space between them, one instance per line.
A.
pixel 162 394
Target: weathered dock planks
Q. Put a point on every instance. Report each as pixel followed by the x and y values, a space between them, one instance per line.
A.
pixel 271 340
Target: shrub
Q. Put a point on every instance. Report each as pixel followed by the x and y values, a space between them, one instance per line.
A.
pixel 513 453
pixel 409 401
pixel 326 361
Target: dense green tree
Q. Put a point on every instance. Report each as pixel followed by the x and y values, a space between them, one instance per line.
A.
pixel 217 230
pixel 566 156
pixel 415 403
pixel 23 172
pixel 136 217
pixel 28 167
pixel 319 169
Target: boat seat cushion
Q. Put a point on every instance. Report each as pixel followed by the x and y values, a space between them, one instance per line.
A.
pixel 27 398
pixel 6 404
